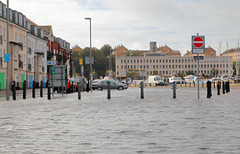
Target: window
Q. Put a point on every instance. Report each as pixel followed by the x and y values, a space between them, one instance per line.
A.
pixel 4 31
pixel 24 40
pixel 20 38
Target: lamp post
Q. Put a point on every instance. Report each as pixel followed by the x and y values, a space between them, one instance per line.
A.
pixel 110 72
pixel 7 81
pixel 90 54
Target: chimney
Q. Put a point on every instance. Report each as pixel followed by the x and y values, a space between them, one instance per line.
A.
pixel 153 46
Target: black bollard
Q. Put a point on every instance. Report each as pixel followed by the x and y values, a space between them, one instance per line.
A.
pixel 24 89
pixel 223 87
pixel 202 85
pixel 190 84
pixel 14 90
pixel 109 92
pixel 174 87
pixel 33 90
pixel 88 88
pixel 185 84
pixel 218 88
pixel 142 92
pixel 79 91
pixel 228 86
pixel 209 91
pixel 49 91
pixel 214 85
pixel 41 89
pixel 194 84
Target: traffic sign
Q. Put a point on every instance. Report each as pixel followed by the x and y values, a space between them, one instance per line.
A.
pixel 53 70
pixel 80 61
pixel 6 57
pixel 198 44
pixel 198 57
pixel 51 62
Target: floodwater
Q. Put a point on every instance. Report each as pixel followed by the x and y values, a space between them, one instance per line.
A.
pixel 124 124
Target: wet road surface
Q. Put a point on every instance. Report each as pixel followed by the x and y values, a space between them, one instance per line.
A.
pixel 124 124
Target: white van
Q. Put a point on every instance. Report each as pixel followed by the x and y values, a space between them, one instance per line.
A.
pixel 156 79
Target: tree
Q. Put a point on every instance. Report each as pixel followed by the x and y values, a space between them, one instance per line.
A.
pixel 190 72
pixel 155 72
pixel 106 49
pixel 181 75
pixel 132 73
pixel 214 72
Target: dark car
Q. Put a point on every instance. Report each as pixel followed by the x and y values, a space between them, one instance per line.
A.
pixel 104 85
pixel 80 80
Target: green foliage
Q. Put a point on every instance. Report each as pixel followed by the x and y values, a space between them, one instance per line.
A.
pixel 214 72
pixel 132 74
pixel 106 49
pixel 101 62
pixel 181 75
pixel 190 72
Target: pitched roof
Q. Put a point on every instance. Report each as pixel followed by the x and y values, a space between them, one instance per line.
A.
pixel 176 52
pixel 46 28
pixel 32 23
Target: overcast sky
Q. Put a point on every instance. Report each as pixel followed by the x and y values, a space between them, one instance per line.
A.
pixel 135 23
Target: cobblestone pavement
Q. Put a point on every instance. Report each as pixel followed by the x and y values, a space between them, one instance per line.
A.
pixel 124 124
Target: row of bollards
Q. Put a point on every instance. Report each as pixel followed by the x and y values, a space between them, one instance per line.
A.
pixel 225 88
pixel 24 89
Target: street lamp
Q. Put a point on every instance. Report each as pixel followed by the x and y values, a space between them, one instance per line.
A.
pixel 90 54
pixel 7 81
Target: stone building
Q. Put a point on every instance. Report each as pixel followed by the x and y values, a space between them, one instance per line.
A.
pixel 166 64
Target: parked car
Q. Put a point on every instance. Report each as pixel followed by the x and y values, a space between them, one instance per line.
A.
pixel 70 86
pixel 201 80
pixel 177 80
pixel 80 80
pixel 215 80
pixel 113 85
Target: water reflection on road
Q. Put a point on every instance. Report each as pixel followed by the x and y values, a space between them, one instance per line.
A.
pixel 124 124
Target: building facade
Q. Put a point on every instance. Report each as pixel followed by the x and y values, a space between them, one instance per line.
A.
pixel 17 47
pixel 168 66
pixel 30 46
pixel 36 55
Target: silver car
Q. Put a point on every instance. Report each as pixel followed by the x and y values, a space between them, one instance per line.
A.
pixel 104 85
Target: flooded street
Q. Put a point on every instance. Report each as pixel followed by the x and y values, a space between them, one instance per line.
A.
pixel 124 124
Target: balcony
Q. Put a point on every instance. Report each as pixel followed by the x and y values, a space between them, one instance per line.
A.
pixel 20 64
pixel 49 54
pixel 29 50
pixel 1 62
pixel 29 67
